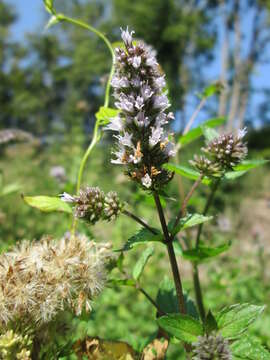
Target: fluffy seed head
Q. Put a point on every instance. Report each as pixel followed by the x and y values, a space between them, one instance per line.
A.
pixel 142 142
pixel 9 135
pixel 211 347
pixel 39 279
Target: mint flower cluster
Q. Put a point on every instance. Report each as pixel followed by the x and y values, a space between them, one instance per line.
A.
pixel 225 152
pixel 143 146
pixel 93 205
pixel 211 347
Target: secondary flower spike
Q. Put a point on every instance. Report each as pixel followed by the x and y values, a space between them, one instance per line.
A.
pixel 142 143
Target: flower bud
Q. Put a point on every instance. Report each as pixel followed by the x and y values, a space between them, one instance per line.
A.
pixel 211 347
pixel 89 204
pixel 112 206
pixel 206 167
pixel 228 150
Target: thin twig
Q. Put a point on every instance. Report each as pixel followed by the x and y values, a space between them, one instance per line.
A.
pixel 205 211
pixel 140 221
pixel 151 300
pixel 194 115
pixel 196 278
pixel 182 211
pixel 172 257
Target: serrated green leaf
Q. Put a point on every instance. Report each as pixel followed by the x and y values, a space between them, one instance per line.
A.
pixel 168 302
pixel 210 323
pixel 187 172
pixel 250 164
pixel 141 237
pixel 105 114
pixel 249 348
pixel 122 282
pixel 204 253
pixel 183 327
pixel 188 221
pixel 195 133
pixel 234 320
pixel 47 203
pixel 140 264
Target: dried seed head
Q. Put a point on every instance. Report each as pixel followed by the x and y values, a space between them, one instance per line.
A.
pixel 142 142
pixel 40 279
pixel 212 347
pixel 9 135
pixel 112 206
pixel 228 150
pixel 89 204
pixel 206 167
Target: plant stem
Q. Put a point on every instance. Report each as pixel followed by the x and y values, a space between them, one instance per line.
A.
pixel 198 292
pixel 139 220
pixel 206 209
pixel 96 133
pixel 151 300
pixel 196 278
pixel 172 257
pixel 182 211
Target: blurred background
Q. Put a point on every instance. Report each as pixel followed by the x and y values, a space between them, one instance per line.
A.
pixel 52 84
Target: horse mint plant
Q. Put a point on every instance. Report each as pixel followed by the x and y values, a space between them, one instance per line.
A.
pixel 39 280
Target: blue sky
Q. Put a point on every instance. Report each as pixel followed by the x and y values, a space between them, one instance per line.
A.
pixel 31 18
pixel 30 15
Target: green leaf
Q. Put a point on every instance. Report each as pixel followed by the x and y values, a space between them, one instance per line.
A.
pixel 212 89
pixel 188 221
pixel 47 203
pixel 122 282
pixel 242 168
pixel 234 320
pixel 250 164
pixel 49 6
pixel 249 348
pixel 105 114
pixel 140 264
pixel 210 323
pixel 141 237
pixel 209 134
pixel 231 175
pixel 187 172
pixel 10 189
pixel 168 302
pixel 119 262
pixel 204 253
pixel 195 133
pixel 183 327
